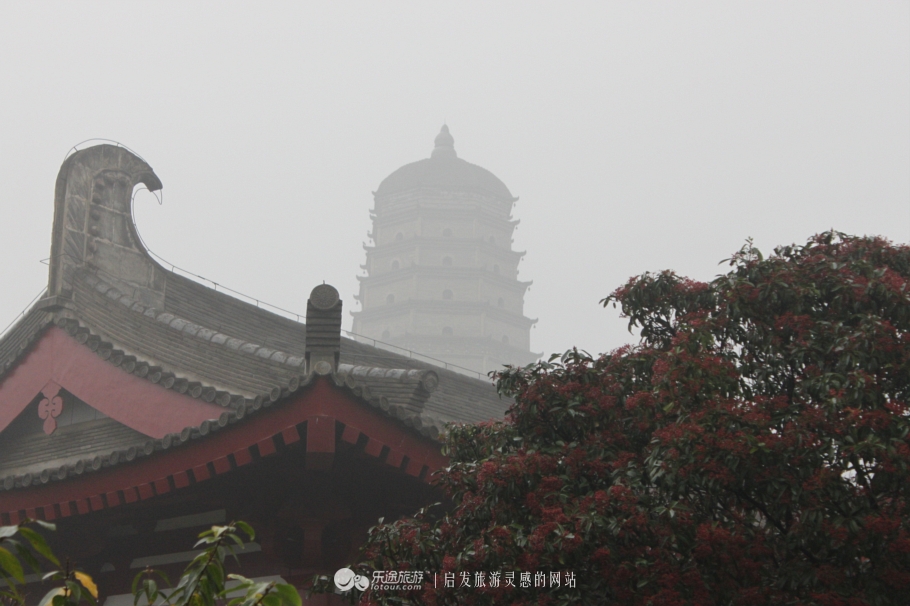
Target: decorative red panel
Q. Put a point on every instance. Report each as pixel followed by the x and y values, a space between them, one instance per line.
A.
pixel 266 447
pixel 131 495
pixel 414 467
pixel 242 456
pixel 50 407
pixel 181 479
pixel 351 434
pixel 201 472
pixel 221 465
pixel 145 491
pixel 395 458
pixel 373 447
pixel 290 435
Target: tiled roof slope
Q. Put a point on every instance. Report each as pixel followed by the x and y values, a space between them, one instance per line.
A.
pixel 20 336
pixel 112 297
pixel 227 358
pixel 21 454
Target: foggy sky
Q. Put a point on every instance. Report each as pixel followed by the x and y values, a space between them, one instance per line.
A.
pixel 638 136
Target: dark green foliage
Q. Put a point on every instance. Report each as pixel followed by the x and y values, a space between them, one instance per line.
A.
pixel 202 583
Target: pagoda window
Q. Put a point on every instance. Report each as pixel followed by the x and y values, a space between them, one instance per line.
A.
pixel 447 331
pixel 390 299
pixel 395 264
pixel 447 233
pixel 447 261
pixel 447 294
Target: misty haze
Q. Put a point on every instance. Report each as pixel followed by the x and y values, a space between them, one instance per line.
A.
pixel 262 262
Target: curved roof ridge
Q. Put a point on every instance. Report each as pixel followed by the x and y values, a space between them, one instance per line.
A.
pixel 192 329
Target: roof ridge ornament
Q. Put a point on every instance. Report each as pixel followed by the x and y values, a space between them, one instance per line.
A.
pixel 445 144
pixel 93 224
pixel 323 330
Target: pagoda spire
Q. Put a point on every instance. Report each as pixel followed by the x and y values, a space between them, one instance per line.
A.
pixel 445 144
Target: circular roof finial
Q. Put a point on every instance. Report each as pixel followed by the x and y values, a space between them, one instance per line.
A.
pixel 324 296
pixel 445 144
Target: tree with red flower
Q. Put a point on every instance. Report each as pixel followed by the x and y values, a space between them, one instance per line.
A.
pixel 752 449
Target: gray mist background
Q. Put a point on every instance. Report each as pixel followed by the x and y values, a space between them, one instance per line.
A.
pixel 639 136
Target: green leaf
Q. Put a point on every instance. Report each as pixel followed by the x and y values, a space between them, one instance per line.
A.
pixel 247 529
pixel 289 595
pixel 11 564
pixel 255 591
pixel 236 539
pixel 134 588
pixel 50 595
pixel 216 574
pixel 39 544
pixel 27 557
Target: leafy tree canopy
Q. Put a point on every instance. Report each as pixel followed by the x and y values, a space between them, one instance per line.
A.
pixel 752 449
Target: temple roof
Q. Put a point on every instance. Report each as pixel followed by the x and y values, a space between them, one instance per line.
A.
pixel 172 342
pixel 444 170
